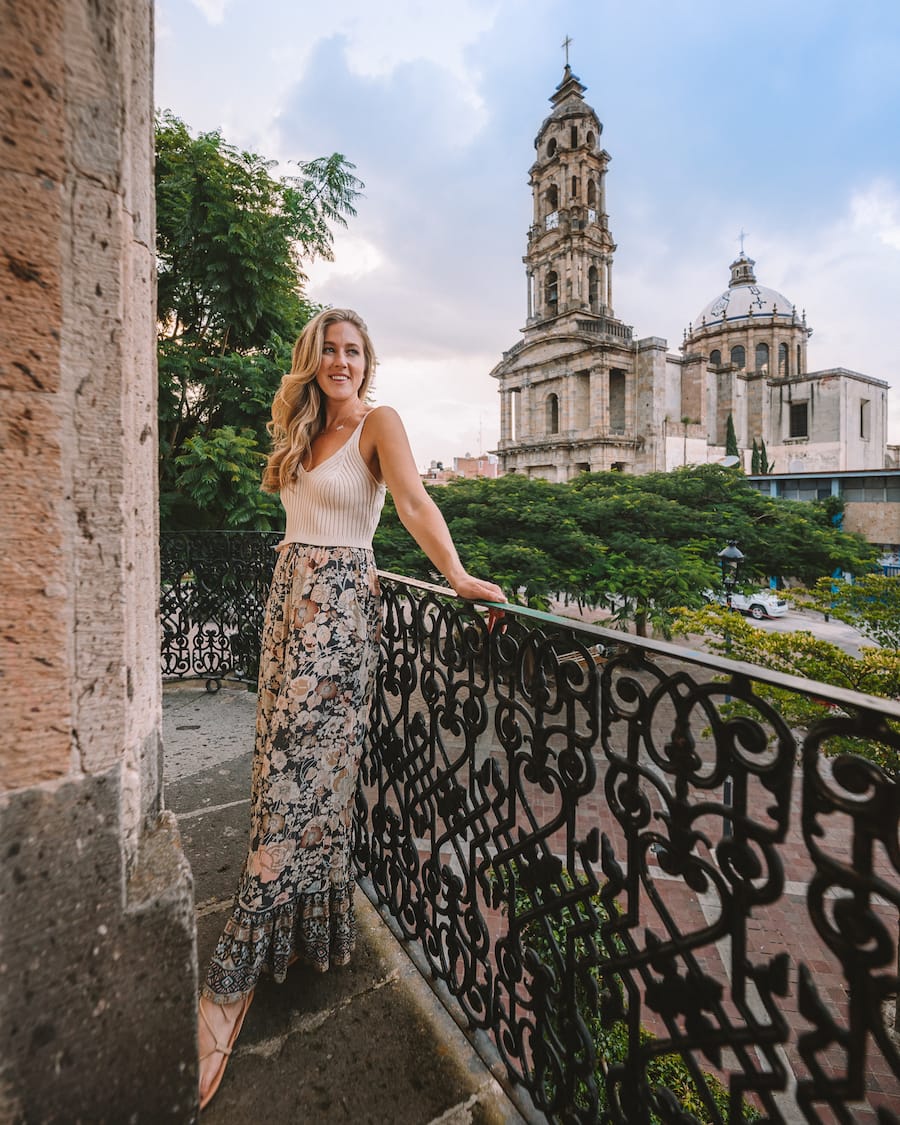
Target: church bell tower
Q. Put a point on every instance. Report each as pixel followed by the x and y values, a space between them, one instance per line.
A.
pixel 572 388
pixel 570 248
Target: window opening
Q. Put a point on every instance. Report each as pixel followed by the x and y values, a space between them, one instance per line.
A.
pixel 762 357
pixel 799 419
pixel 783 360
pixel 617 402
pixel 715 357
pixel 552 414
pixel 551 293
pixel 574 136
pixel 593 280
pixel 739 356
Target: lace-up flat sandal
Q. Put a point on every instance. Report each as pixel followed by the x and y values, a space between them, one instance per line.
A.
pixel 224 1049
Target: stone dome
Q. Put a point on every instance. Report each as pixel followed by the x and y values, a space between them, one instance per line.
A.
pixel 744 298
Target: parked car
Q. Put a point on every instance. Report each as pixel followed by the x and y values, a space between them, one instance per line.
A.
pixel 758 603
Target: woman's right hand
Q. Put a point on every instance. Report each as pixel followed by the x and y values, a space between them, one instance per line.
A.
pixel 477 590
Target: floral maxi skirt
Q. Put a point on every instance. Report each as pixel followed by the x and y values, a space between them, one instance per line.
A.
pixel 317 666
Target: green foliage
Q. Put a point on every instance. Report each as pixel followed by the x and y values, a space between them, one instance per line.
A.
pixel 568 928
pixel 759 462
pixel 870 603
pixel 876 671
pixel 231 238
pixel 220 473
pixel 731 442
pixel 637 546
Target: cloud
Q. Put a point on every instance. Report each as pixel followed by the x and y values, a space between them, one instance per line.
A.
pixel 877 211
pixel 431 219
pixel 213 10
pixel 438 107
pixel 442 401
pixel 355 257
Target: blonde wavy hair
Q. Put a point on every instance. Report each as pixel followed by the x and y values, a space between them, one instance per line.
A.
pixel 298 409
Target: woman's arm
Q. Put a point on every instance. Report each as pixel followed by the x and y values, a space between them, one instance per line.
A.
pixel 385 447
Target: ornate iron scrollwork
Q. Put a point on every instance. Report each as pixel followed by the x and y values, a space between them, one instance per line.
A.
pixel 212 596
pixel 659 901
pixel 594 853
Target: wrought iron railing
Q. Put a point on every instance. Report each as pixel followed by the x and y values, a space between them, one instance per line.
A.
pixel 595 856
pixel 641 893
pixel 212 595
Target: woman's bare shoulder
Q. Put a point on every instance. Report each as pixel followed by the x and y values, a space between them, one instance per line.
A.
pixel 379 415
pixel 383 420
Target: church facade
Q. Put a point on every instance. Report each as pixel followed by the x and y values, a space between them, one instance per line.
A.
pixel 581 392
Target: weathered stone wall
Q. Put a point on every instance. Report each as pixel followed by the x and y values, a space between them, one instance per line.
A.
pixel 97 966
pixel 878 522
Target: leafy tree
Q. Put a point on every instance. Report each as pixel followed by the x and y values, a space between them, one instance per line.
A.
pixel 870 603
pixel 731 442
pixel 524 533
pixel 221 472
pixel 638 546
pixel 876 671
pixel 231 239
pixel 707 505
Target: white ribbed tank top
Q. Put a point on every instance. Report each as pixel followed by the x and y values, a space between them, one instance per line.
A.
pixel 336 504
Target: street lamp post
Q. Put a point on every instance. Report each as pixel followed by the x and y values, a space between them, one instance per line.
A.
pixel 730 559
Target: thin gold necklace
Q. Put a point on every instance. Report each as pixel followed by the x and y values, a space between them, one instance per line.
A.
pixel 334 429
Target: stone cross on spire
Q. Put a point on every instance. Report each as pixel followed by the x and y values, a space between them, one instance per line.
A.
pixel 741 238
pixel 566 43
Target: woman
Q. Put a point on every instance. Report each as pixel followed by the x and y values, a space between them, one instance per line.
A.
pixel 332 457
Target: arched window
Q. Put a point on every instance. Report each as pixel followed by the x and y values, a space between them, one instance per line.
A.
pixel 591 193
pixel 715 358
pixel 783 360
pixel 798 369
pixel 574 136
pixel 593 279
pixel 551 197
pixel 574 187
pixel 739 356
pixel 552 408
pixel 551 146
pixel 551 293
pixel 589 139
pixel 762 357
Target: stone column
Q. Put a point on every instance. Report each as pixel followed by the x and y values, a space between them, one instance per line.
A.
pixel 525 427
pixel 609 291
pixel 600 398
pixel 98 960
pixel 505 415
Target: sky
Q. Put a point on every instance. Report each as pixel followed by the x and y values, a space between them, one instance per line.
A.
pixel 781 119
